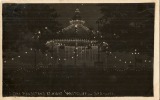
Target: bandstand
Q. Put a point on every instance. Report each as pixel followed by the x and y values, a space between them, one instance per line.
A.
pixel 77 44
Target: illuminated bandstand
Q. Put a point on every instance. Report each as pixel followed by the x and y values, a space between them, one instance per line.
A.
pixel 76 44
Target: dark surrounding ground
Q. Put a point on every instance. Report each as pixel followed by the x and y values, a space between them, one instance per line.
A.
pixel 77 82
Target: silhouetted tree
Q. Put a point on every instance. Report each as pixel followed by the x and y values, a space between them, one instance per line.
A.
pixel 22 21
pixel 127 26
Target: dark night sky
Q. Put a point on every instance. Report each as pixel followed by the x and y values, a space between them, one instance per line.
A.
pixel 89 13
pixel 121 19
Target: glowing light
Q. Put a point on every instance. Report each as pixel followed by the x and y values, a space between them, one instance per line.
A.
pixel 31 49
pixel 149 61
pixel 125 62
pixel 94 37
pixel 138 53
pixel 135 49
pixel 120 60
pixel 135 53
pixel 5 61
pixel 115 57
pixel 65 59
pixel 51 57
pixel 19 56
pixel 26 52
pixel 130 62
pixel 46 54
pixel 110 52
pixel 145 60
pixel 101 36
pixel 39 32
pixel 46 27
pixel 77 55
pixel 12 58
pixel 59 59
pixel 132 53
pixel 72 57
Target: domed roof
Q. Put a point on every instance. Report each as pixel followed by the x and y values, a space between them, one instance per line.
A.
pixel 76 32
pixel 76 29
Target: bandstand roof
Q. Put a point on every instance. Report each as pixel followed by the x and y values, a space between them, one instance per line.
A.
pixel 76 32
pixel 76 29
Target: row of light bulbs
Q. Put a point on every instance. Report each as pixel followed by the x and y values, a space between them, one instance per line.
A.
pixel 81 52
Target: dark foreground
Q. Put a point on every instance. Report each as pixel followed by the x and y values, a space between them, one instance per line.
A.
pixel 77 82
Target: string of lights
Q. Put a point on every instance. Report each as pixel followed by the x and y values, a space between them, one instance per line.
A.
pixel 36 36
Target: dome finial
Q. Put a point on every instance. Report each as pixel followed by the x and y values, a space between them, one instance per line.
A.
pixel 77 15
pixel 77 10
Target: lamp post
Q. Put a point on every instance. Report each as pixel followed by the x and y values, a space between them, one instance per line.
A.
pixel 107 52
pixel 52 43
pixel 99 21
pixel 36 37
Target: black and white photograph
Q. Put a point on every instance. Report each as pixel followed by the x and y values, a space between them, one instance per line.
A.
pixel 78 49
